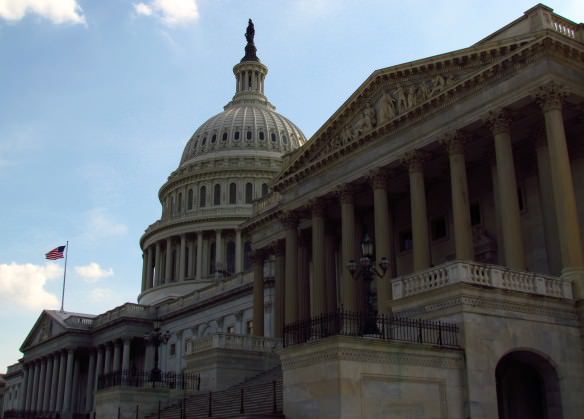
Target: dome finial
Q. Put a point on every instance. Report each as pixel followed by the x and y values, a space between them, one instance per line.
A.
pixel 250 49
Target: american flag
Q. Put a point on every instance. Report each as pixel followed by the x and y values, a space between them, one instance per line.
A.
pixel 56 253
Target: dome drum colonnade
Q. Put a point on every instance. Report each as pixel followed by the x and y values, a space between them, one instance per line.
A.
pixel 228 163
pixel 294 288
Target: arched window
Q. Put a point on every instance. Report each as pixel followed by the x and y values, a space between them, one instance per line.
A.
pixel 248 193
pixel 236 136
pixel 190 199
pixel 204 141
pixel 217 195
pixel 214 138
pixel 172 206
pixel 179 204
pixel 262 137
pixel 212 253
pixel 248 135
pixel 264 189
pixel 203 197
pixel 224 136
pixel 273 137
pixel 232 193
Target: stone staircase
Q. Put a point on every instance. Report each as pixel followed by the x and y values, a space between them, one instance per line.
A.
pixel 257 397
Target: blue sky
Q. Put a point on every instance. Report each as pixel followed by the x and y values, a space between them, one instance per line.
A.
pixel 98 99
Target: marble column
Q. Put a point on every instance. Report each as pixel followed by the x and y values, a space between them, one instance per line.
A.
pixel 54 382
pixel 126 354
pixel 330 272
pixel 144 271
pixel 218 251
pixel 420 237
pixel 182 258
pixel 383 236
pixel 35 387
pixel 500 125
pixel 148 357
pixel 238 255
pixel 30 393
pixel 349 297
pixel 303 277
pixel 68 381
pixel 199 255
pixel 90 386
pixel 74 406
pixel 107 367
pixel 98 371
pixel 61 388
pixel 258 293
pixel 318 301
pixel 168 266
pixel 41 389
pixel 460 202
pixel 571 250
pixel 158 265
pixel 290 223
pixel 279 290
pixel 149 268
pixel 48 381
pixel 117 356
pixel 24 388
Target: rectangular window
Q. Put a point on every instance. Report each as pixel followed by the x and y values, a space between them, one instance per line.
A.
pixel 439 228
pixel 172 349
pixel 249 327
pixel 231 330
pixel 405 240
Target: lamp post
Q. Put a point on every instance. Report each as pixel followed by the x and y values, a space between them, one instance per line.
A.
pixel 156 338
pixel 368 271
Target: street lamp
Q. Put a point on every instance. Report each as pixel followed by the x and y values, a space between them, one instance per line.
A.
pixel 156 338
pixel 368 271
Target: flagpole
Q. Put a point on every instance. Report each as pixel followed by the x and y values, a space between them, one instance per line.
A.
pixel 64 275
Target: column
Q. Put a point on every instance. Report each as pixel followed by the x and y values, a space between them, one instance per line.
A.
pixel 24 392
pixel 349 297
pixel 74 386
pixel 258 293
pixel 290 223
pixel 507 185
pixel 54 383
pixel 144 271
pixel 126 354
pixel 35 383
pixel 318 301
pixel 148 357
pixel 90 387
pixel 158 266
pixel 238 247
pixel 48 381
pixel 279 290
pixel 98 372
pixel 117 356
pixel 199 254
pixel 421 245
pixel 41 389
pixel 61 388
pixel 550 99
pixel 190 258
pixel 383 236
pixel 182 258
pixel 29 386
pixel 149 266
pixel 107 367
pixel 460 202
pixel 330 272
pixel 303 277
pixel 168 274
pixel 548 209
pixel 68 381
pixel 218 251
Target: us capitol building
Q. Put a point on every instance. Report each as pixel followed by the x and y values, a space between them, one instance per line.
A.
pixel 419 257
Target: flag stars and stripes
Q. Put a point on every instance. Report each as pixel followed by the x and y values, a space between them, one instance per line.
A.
pixel 56 253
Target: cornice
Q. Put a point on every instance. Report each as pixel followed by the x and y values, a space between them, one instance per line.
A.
pixel 521 54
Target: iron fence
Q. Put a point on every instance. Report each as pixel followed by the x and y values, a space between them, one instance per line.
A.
pixel 380 326
pixel 130 378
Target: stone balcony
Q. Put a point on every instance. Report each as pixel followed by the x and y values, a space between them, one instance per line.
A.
pixel 483 275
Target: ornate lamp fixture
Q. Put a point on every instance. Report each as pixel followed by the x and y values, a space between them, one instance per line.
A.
pixel 156 338
pixel 367 270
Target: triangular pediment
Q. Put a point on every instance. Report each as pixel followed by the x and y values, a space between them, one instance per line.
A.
pixel 393 97
pixel 46 326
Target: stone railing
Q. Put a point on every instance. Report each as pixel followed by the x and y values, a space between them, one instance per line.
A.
pixel 237 342
pixel 215 288
pixel 128 310
pixel 563 26
pixel 79 322
pixel 483 275
pixel 266 202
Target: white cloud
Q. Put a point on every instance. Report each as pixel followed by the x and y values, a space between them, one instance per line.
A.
pixel 99 295
pixel 24 284
pixel 172 12
pixel 57 11
pixel 93 272
pixel 100 225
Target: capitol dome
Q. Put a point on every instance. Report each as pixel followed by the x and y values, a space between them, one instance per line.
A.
pixel 227 164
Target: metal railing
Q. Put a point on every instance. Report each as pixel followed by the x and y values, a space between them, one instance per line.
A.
pixel 380 326
pixel 170 380
pixel 30 414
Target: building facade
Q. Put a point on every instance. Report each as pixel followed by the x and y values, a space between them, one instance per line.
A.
pixel 463 171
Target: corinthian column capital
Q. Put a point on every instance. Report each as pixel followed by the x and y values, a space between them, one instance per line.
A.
pixel 346 193
pixel 289 220
pixel 379 178
pixel 550 96
pixel 499 122
pixel 454 142
pixel 414 160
